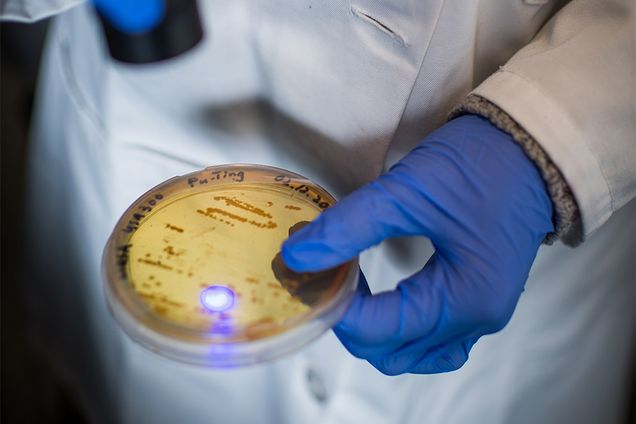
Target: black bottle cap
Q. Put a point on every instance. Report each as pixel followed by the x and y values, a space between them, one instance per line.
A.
pixel 178 32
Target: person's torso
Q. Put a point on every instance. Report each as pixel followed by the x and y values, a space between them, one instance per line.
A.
pixel 334 89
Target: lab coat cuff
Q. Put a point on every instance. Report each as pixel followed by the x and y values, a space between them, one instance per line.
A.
pixel 567 216
pixel 566 145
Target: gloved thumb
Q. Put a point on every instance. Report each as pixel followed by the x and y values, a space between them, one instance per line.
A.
pixel 361 220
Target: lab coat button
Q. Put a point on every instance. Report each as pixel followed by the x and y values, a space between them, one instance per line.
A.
pixel 316 386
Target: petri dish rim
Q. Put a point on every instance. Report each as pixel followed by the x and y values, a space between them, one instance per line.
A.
pixel 130 311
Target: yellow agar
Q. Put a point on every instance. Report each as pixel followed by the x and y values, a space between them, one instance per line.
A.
pixel 229 236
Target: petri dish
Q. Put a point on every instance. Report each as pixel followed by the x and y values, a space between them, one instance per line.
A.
pixel 193 272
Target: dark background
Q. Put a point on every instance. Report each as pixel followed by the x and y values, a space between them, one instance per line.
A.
pixel 30 391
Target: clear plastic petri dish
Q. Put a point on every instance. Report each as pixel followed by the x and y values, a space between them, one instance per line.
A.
pixel 193 269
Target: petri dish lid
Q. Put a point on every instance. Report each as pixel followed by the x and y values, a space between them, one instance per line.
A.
pixel 192 270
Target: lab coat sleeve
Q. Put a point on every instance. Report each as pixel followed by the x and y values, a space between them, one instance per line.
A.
pixel 33 10
pixel 572 90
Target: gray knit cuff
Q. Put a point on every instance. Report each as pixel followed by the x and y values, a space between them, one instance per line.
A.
pixel 567 217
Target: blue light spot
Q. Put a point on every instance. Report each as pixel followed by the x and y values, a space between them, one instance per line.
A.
pixel 217 298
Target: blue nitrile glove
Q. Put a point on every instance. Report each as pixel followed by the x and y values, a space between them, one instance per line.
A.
pixel 472 191
pixel 132 15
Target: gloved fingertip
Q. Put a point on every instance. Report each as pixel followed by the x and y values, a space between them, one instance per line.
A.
pixel 309 251
pixel 304 256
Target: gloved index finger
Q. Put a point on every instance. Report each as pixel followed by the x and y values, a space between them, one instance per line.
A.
pixel 361 220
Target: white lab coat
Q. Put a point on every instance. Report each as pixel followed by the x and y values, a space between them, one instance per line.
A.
pixel 338 90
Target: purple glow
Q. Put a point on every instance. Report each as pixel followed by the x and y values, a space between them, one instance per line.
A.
pixel 217 298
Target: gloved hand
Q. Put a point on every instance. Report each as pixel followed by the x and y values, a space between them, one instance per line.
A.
pixel 472 191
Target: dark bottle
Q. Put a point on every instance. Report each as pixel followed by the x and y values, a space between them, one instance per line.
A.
pixel 178 30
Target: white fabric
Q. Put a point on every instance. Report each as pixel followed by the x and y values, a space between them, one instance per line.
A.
pixel 33 10
pixel 322 89
pixel 574 90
